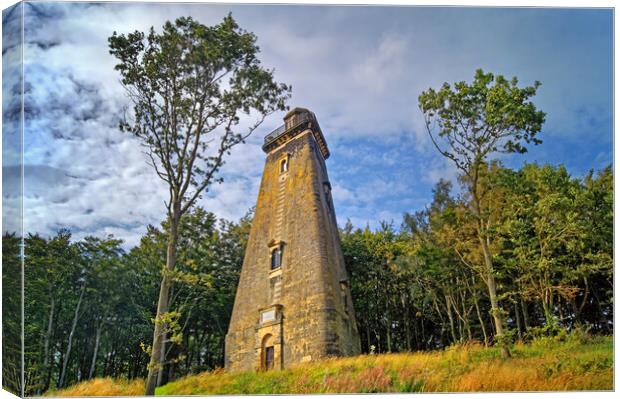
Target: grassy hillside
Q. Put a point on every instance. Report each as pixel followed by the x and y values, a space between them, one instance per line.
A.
pixel 102 387
pixel 544 365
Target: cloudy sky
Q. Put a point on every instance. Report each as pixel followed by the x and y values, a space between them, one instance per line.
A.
pixel 360 69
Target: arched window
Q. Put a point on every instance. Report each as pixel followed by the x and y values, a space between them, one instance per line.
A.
pixel 276 258
pixel 284 165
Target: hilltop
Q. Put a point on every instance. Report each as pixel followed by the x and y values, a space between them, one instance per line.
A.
pixel 547 364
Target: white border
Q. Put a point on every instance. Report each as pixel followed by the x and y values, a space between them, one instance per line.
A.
pixel 478 3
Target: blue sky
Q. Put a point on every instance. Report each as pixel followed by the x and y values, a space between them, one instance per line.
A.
pixel 360 69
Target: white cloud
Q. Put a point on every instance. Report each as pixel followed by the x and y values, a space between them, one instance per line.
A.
pixel 360 69
pixel 342 194
pixel 441 168
pixel 383 67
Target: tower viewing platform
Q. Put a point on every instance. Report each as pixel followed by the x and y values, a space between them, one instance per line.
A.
pixel 296 121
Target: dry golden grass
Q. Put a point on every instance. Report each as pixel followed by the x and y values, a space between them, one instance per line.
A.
pixel 500 376
pixel 102 387
pixel 546 365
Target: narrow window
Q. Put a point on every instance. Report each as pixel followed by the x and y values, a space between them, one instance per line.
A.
pixel 284 165
pixel 276 258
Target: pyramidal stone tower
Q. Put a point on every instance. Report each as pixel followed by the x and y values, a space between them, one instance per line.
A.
pixel 293 302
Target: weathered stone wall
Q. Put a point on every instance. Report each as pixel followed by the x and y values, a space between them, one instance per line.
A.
pixel 314 313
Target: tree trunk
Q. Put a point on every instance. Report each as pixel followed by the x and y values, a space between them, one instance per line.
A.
pixel 162 304
pixel 546 303
pixel 416 338
pixel 76 316
pixel 579 309
pixel 170 373
pixel 451 318
pixel 93 362
pixel 464 313
pixel 187 338
pixel 481 320
pixel 495 312
pixel 113 362
pixel 443 322
pixel 162 357
pixel 518 318
pixel 46 347
pixel 526 316
pixel 407 328
pixel 488 262
pixel 388 329
pixel 423 332
pixel 106 363
pixel 491 285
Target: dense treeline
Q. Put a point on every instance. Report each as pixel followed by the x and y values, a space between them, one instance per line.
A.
pixel 89 305
pixel 422 287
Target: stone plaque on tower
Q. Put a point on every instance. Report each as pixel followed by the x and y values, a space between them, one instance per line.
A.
pixel 293 302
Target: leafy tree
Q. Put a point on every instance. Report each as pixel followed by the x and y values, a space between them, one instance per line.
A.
pixel 443 280
pixel 107 288
pixel 203 287
pixel 413 287
pixel 470 123
pixel 11 313
pixel 89 304
pixel 542 229
pixel 186 113
pixel 52 288
pixel 593 273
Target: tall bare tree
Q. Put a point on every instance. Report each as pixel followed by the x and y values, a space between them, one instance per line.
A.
pixel 189 86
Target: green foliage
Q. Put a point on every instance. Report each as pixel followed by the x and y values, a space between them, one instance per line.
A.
pixel 11 314
pixel 114 319
pixel 469 124
pixel 204 282
pixel 412 289
pixel 492 114
pixel 420 287
pixel 189 86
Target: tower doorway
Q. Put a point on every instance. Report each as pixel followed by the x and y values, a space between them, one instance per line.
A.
pixel 268 353
pixel 269 357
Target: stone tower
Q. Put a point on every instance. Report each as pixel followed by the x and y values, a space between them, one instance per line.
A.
pixel 293 302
